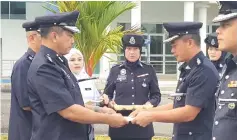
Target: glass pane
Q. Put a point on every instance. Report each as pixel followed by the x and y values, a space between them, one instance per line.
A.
pixel 17 10
pixel 208 29
pixel 121 58
pixel 156 58
pixel 152 28
pixel 158 66
pixel 126 26
pixel 168 48
pixel 170 67
pixel 156 45
pixel 170 58
pixel 214 27
pixel 4 9
pixel 144 59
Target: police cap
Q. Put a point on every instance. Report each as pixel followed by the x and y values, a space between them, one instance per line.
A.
pixel 30 26
pixel 227 11
pixel 133 40
pixel 211 40
pixel 66 20
pixel 178 29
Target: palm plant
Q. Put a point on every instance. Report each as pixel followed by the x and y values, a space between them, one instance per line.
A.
pixel 95 17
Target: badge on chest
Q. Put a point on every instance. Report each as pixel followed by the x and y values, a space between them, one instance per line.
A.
pixel 122 76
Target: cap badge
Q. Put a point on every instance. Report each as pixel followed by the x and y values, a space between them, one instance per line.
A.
pixel 213 42
pixel 132 40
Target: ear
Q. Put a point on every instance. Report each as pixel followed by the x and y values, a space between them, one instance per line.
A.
pixel 53 36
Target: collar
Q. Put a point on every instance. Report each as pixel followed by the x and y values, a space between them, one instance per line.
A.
pixel 195 61
pixel 231 58
pixel 31 54
pixel 124 64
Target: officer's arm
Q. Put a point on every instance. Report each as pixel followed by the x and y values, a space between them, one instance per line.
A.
pixel 19 86
pixel 200 91
pixel 110 85
pixel 56 98
pixel 155 95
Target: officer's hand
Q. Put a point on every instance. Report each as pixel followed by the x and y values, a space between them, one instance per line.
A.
pixel 105 99
pixel 134 113
pixel 117 120
pixel 107 110
pixel 111 104
pixel 143 118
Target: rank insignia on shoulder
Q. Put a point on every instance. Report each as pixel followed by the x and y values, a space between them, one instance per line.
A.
pixel 30 57
pixel 232 84
pixel 49 59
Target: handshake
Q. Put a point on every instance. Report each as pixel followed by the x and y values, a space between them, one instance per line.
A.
pixel 140 116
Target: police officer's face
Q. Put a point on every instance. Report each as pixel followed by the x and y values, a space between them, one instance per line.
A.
pixel 34 38
pixel 76 63
pixel 227 36
pixel 213 53
pixel 132 54
pixel 65 42
pixel 179 50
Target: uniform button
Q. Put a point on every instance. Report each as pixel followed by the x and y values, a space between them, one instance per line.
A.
pixel 132 95
pixel 213 138
pixel 180 79
pixel 133 103
pixel 132 87
pixel 220 107
pixel 132 80
pixel 177 89
pixel 222 92
pixel 232 94
pixel 190 133
pixel 173 135
pixel 220 74
pixel 132 73
pixel 216 122
pixel 227 76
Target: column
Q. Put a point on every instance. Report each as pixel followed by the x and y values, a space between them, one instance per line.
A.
pixel 188 11
pixel 188 16
pixel 136 15
pixel 202 17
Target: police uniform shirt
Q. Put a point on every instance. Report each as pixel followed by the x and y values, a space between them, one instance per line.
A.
pixel 132 87
pixel 196 87
pixel 225 124
pixel 52 87
pixel 20 120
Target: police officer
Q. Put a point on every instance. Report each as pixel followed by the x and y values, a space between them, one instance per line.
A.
pixel 216 56
pixel 134 83
pixel 57 104
pixel 225 124
pixel 192 111
pixel 20 121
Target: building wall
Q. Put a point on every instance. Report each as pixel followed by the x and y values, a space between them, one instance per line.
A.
pixel 13 35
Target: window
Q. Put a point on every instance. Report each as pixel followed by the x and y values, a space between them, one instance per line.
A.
pixel 13 10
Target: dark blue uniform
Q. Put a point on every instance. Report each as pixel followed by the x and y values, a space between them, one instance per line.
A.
pixel 225 121
pixel 196 87
pixel 211 41
pixel 20 121
pixel 133 84
pixel 52 87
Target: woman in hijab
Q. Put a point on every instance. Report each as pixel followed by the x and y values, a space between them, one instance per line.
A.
pixel 89 92
pixel 216 56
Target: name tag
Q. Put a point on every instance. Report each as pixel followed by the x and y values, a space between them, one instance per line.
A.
pixel 232 84
pixel 87 89
pixel 143 75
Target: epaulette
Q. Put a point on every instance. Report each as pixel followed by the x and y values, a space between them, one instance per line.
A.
pixel 49 59
pixel 29 57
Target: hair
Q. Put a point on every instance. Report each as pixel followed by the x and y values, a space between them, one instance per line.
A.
pixel 195 37
pixel 46 30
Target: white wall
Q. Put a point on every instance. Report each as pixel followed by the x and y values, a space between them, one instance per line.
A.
pixel 13 35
